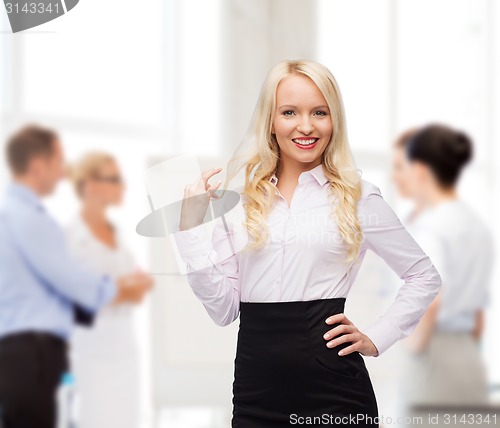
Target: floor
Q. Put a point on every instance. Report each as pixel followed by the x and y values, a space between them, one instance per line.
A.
pixel 195 417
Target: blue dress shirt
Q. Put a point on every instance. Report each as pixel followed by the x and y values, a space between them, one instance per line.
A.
pixel 40 282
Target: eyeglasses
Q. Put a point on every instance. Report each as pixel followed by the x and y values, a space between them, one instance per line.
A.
pixel 114 179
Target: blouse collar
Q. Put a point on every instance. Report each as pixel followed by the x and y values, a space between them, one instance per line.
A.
pixel 317 172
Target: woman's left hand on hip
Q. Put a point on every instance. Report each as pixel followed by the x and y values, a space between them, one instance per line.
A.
pixel 350 333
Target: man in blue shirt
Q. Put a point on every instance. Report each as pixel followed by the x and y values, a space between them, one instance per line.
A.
pixel 41 286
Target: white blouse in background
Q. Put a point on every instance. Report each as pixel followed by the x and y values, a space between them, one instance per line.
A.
pixel 304 258
pixel 461 247
pixel 105 357
pixel 111 333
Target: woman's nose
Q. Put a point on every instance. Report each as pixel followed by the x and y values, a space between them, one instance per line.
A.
pixel 305 126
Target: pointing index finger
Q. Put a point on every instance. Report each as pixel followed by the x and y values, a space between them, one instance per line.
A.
pixel 205 175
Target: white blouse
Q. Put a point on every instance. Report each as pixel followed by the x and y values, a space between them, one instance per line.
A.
pixel 113 332
pixel 304 258
pixel 462 249
pixel 105 357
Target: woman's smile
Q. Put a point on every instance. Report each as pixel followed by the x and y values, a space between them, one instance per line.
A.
pixel 305 143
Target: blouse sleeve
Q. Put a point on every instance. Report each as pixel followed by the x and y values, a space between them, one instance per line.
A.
pixel 386 236
pixel 488 256
pixel 212 265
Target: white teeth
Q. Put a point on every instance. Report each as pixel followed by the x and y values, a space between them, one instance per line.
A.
pixel 305 142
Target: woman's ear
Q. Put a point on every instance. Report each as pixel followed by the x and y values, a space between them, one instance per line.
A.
pixel 421 172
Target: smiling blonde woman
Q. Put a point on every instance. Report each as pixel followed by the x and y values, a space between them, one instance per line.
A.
pixel 307 219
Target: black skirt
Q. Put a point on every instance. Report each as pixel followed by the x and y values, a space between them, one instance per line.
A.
pixel 285 375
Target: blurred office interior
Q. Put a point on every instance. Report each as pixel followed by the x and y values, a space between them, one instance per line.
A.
pixel 159 78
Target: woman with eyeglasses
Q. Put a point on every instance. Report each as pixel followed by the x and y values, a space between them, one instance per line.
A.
pixel 104 358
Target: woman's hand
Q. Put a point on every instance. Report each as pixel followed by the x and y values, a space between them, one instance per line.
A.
pixel 132 288
pixel 196 199
pixel 360 342
pixel 478 330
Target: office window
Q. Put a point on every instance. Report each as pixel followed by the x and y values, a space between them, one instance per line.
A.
pixel 108 71
pixel 354 43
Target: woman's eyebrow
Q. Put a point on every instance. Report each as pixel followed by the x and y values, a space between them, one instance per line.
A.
pixel 291 106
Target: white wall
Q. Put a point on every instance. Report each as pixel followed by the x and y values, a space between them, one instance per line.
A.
pixel 177 77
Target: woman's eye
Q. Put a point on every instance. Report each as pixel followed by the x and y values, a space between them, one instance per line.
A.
pixel 287 112
pixel 320 113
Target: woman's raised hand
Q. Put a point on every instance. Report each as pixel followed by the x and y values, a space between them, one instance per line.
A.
pixel 196 199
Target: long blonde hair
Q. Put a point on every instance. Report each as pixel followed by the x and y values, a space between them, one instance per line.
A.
pixel 259 154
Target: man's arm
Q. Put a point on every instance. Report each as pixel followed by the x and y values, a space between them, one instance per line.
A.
pixel 42 244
